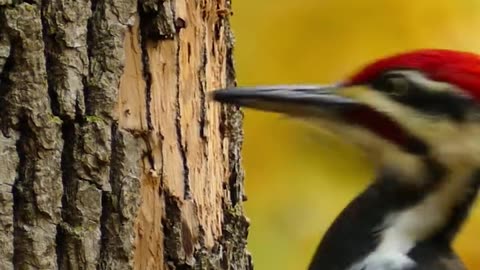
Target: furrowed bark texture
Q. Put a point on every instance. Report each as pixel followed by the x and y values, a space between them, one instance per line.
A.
pixel 112 156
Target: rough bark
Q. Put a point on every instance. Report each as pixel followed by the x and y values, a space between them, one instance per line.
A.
pixel 112 157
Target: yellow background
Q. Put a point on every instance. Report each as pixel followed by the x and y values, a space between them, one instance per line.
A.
pixel 298 180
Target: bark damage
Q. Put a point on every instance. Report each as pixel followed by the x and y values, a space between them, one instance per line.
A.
pixel 112 157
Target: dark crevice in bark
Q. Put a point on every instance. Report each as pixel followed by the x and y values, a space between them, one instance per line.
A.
pixel 180 24
pixel 5 90
pixel 90 31
pixel 217 30
pixel 91 40
pixel 17 206
pixel 49 62
pixel 68 135
pixel 86 96
pixel 147 76
pixel 202 90
pixel 159 18
pixel 148 85
pixel 31 2
pixel 106 210
pixel 147 152
pixel 54 104
pixel 178 125
pixel 68 172
pixel 183 267
pixel 6 112
pixel 183 147
pixel 106 201
pixel 183 152
pixel 23 208
pixel 109 204
pixel 69 187
pixel 61 247
pixel 236 174
pixel 145 20
pixel 172 229
pixel 79 117
pixel 94 4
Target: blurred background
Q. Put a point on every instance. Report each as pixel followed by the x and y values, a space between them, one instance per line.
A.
pixel 297 180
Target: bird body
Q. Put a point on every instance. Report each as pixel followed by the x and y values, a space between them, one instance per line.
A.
pixel 373 231
pixel 417 116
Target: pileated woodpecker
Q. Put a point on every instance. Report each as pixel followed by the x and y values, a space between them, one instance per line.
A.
pixel 417 116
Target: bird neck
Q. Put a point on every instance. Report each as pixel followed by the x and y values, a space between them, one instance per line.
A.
pixel 392 217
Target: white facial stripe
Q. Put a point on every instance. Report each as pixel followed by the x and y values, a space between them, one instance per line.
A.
pixel 419 79
pixel 430 85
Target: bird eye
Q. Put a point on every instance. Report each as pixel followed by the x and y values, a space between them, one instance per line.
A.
pixel 396 86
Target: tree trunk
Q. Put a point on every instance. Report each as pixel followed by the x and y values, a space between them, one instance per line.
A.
pixel 112 157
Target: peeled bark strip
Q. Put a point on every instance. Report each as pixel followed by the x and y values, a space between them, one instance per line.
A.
pixel 112 156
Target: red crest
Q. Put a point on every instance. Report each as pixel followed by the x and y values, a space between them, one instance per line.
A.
pixel 458 68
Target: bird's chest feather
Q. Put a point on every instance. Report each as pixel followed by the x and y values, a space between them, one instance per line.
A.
pixel 403 229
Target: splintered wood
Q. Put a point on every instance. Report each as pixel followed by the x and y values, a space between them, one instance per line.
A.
pixel 189 157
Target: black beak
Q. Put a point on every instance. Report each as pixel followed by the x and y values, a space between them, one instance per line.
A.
pixel 321 102
pixel 295 100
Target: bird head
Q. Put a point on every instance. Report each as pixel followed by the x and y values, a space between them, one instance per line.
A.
pixel 402 110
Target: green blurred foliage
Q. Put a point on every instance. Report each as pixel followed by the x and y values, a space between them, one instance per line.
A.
pixel 297 179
